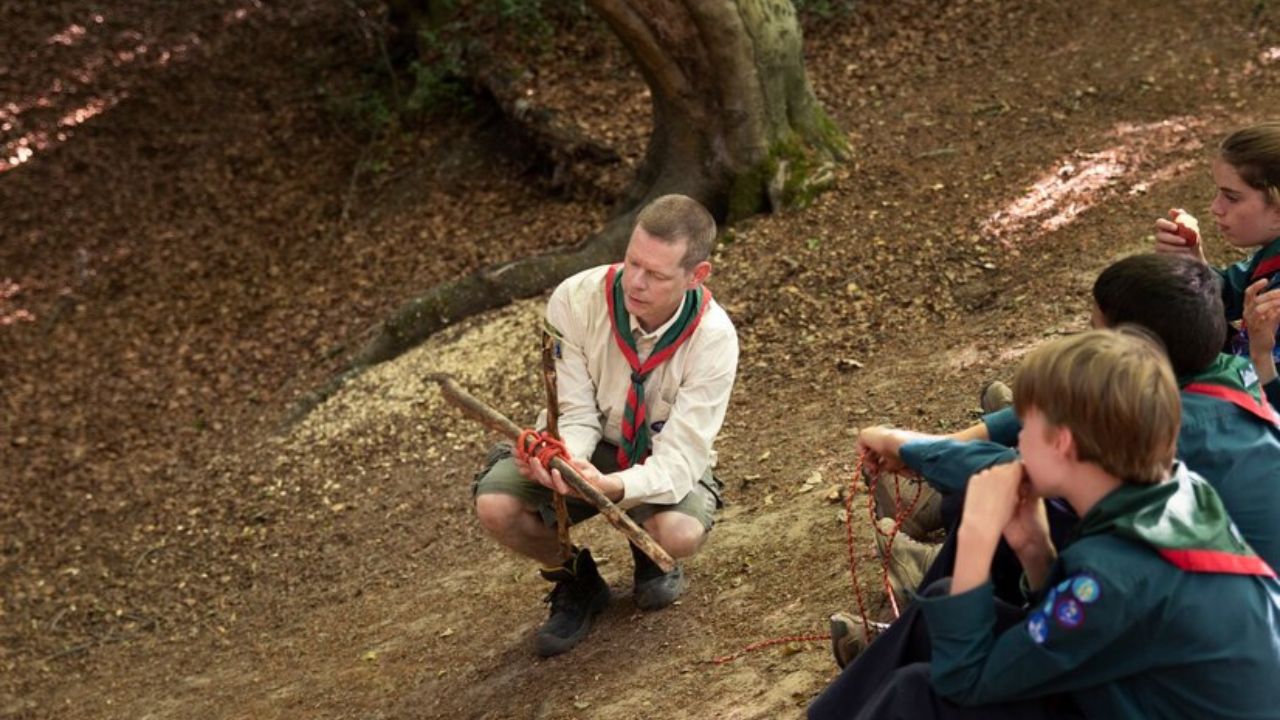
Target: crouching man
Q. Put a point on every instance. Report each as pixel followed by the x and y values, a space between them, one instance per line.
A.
pixel 645 362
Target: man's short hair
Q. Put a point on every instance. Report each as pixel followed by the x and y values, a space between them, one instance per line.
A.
pixel 1114 390
pixel 1177 298
pixel 679 217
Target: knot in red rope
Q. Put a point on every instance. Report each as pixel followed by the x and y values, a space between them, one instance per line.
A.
pixel 540 446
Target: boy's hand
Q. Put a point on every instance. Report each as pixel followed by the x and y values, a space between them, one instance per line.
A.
pixel 1179 238
pixel 989 505
pixel 1028 535
pixel 881 443
pixel 993 496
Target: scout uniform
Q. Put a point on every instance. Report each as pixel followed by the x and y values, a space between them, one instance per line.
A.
pixel 1158 609
pixel 1235 278
pixel 1230 436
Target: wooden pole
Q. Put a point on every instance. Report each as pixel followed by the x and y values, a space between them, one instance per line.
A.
pixel 553 429
pixel 498 422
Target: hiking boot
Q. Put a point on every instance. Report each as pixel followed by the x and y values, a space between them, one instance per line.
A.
pixel 655 589
pixel 909 559
pixel 925 517
pixel 848 638
pixel 579 595
pixel 994 396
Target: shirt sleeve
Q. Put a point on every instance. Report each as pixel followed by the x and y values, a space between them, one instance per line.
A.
pixel 579 421
pixel 682 450
pixel 1003 427
pixel 948 464
pixel 1061 645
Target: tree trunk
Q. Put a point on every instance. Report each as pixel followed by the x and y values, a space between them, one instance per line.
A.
pixel 735 126
pixel 735 123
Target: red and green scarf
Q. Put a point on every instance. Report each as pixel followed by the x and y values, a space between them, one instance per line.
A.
pixel 1183 519
pixel 1224 379
pixel 635 428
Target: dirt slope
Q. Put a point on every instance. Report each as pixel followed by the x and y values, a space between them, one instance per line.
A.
pixel 185 247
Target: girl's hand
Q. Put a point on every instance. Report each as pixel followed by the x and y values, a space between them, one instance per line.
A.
pixel 1170 242
pixel 1262 318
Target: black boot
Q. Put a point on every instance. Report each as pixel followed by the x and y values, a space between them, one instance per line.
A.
pixel 654 588
pixel 579 595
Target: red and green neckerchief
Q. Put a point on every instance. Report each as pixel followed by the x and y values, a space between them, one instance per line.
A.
pixel 1183 519
pixel 635 428
pixel 1225 380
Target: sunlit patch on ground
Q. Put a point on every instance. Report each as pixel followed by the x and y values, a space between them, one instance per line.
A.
pixel 10 313
pixel 23 139
pixel 1079 181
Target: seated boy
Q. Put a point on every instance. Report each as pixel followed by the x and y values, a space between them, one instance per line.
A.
pixel 1158 609
pixel 1229 435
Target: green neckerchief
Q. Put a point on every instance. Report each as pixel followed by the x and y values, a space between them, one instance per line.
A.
pixel 1182 518
pixel 1230 371
pixel 635 421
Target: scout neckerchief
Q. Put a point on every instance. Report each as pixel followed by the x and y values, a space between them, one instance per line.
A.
pixel 1183 519
pixel 1264 264
pixel 1268 261
pixel 635 429
pixel 1225 379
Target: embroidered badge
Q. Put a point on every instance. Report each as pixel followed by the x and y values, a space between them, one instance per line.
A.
pixel 1038 627
pixel 1069 613
pixel 1248 376
pixel 1086 589
pixel 1064 586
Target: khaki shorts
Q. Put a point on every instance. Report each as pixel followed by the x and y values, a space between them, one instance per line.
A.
pixel 499 475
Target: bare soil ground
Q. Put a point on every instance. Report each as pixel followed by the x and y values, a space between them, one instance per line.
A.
pixel 191 232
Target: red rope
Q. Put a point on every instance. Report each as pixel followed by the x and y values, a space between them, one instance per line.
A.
pixel 902 513
pixel 540 446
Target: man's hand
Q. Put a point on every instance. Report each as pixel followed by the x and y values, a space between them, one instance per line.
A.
pixel 608 485
pixel 1171 239
pixel 989 505
pixel 1262 318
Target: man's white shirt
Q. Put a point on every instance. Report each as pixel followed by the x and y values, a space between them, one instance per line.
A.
pixel 686 397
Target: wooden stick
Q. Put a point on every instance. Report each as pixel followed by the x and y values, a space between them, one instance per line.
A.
pixel 553 429
pixel 498 422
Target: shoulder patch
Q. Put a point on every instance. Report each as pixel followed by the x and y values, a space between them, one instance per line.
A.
pixel 1086 589
pixel 1249 376
pixel 1069 613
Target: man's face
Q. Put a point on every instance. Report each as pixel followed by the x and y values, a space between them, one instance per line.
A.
pixel 654 281
pixel 1243 215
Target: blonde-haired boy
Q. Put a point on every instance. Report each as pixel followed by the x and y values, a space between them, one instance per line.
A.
pixel 1158 609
